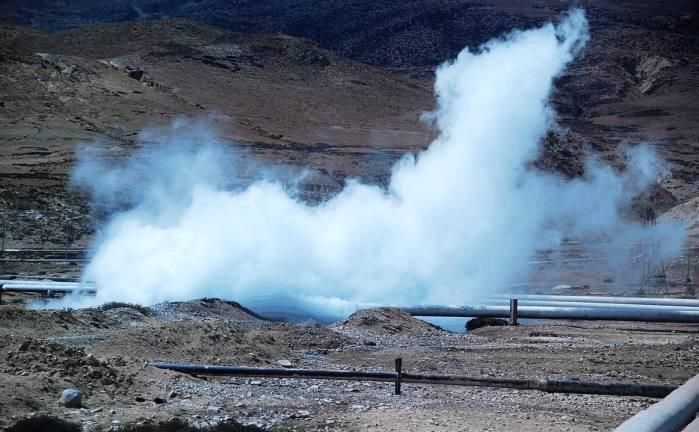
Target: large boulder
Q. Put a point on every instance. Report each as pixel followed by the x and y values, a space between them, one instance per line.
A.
pixel 71 398
pixel 477 323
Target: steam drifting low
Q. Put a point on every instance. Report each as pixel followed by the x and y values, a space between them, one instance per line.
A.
pixel 455 222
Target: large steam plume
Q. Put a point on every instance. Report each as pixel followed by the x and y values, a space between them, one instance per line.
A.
pixel 456 222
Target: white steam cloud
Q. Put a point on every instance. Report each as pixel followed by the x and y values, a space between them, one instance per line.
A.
pixel 456 222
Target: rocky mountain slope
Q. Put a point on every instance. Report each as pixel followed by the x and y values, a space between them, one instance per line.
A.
pixel 280 100
pixel 294 103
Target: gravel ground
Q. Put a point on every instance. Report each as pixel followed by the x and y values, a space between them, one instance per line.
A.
pixel 107 354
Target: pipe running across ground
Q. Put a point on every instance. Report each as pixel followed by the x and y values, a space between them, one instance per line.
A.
pixel 558 312
pixel 544 385
pixel 671 414
pixel 520 303
pixel 658 301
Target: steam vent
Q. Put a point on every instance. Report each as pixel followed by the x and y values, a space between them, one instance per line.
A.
pixel 342 215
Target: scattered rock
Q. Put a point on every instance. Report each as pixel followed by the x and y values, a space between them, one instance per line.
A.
pixel 477 323
pixel 71 398
pixel 284 363
pixel 25 345
pixel 137 75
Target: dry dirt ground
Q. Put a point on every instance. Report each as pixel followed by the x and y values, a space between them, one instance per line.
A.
pixel 106 354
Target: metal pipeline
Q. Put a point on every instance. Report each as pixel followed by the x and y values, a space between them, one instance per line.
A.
pixel 44 260
pixel 673 413
pixel 603 299
pixel 591 305
pixel 545 385
pixel 548 385
pixel 277 373
pixel 33 278
pixel 692 427
pixel 57 287
pixel 551 312
pixel 42 282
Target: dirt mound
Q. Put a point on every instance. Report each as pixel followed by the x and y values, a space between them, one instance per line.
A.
pixel 24 356
pixel 31 322
pixel 315 337
pixel 80 325
pixel 206 308
pixel 120 306
pixel 390 321
pixel 203 341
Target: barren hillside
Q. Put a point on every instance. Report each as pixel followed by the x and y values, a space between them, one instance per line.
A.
pixel 282 99
pixel 294 103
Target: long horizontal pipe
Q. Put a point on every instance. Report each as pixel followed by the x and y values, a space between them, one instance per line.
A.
pixel 87 289
pixel 591 305
pixel 546 312
pixel 44 260
pixel 671 414
pixel 603 299
pixel 243 371
pixel 33 278
pixel 42 282
pixel 546 385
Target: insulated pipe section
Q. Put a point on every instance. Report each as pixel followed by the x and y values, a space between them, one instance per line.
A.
pixel 602 299
pixel 44 282
pixel 45 260
pixel 550 312
pixel 55 287
pixel 521 303
pixel 545 385
pixel 670 414
pixel 693 426
pixel 30 278
pixel 6 250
